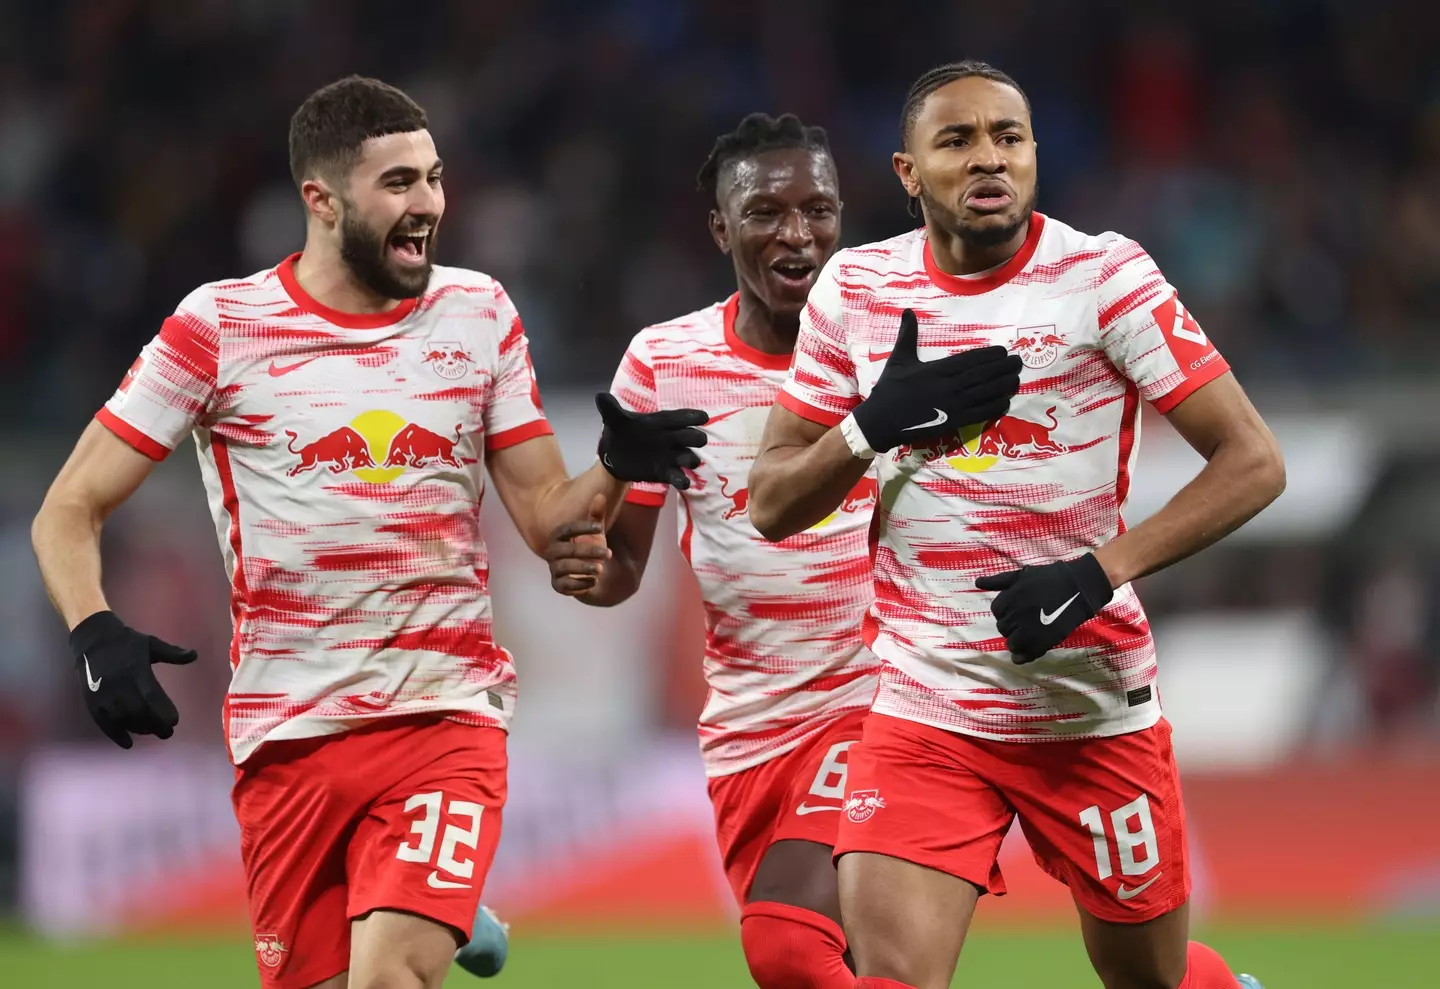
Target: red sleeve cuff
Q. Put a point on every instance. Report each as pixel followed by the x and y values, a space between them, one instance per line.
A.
pixel 131 435
pixel 651 499
pixel 1167 402
pixel 807 411
pixel 512 437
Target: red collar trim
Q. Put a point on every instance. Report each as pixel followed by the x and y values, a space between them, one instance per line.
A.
pixel 996 278
pixel 770 362
pixel 349 320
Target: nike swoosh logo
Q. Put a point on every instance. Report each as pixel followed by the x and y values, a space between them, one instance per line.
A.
pixel 278 369
pixel 437 883
pixel 940 419
pixel 90 681
pixel 804 809
pixel 880 356
pixel 1126 893
pixel 1048 619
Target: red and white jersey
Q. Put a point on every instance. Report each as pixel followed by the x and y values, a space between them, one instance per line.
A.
pixel 783 651
pixel 1098 328
pixel 343 456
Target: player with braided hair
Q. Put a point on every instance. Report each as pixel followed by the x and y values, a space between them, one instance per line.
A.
pixel 789 676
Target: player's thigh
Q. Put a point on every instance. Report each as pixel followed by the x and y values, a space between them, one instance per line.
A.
pixel 746 806
pixel 917 842
pixel 797 867
pixel 1147 955
pixel 427 843
pixel 394 950
pixel 1105 817
pixel 904 921
pixel 801 874
pixel 296 820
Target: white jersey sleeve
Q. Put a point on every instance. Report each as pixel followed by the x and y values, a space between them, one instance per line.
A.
pixel 822 384
pixel 514 413
pixel 634 389
pixel 1148 334
pixel 172 383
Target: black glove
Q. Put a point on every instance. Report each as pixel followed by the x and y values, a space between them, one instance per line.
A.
pixel 1039 606
pixel 113 662
pixel 919 401
pixel 650 446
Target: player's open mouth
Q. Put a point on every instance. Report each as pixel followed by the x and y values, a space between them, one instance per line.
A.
pixel 988 196
pixel 795 271
pixel 409 248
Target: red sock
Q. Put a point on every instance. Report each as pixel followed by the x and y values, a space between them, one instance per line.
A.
pixel 1205 969
pixel 874 983
pixel 793 948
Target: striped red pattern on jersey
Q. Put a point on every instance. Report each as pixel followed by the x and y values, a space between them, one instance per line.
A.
pixel 783 652
pixel 1098 328
pixel 343 456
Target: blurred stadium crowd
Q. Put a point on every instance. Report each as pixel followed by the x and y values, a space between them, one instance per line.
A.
pixel 1280 159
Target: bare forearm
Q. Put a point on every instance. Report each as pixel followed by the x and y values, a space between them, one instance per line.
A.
pixel 66 540
pixel 1235 485
pixel 570 499
pixel 793 487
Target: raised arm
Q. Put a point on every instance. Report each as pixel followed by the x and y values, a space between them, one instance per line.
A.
pixel 803 473
pixel 805 468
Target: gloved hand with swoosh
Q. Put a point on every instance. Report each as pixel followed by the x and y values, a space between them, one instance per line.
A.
pixel 1038 607
pixel 113 662
pixel 917 401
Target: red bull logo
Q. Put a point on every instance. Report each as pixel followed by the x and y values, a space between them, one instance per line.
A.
pixel 416 446
pixel 739 501
pixel 979 447
pixel 447 359
pixel 1012 437
pixel 1037 346
pixel 378 446
pixel 342 450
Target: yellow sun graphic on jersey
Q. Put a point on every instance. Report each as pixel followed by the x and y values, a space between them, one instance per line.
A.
pixel 969 460
pixel 378 427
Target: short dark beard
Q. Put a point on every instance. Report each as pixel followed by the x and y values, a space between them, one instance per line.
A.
pixel 364 253
pixel 950 221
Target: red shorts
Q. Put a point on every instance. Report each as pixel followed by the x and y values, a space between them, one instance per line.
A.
pixel 1103 815
pixel 797 795
pixel 401 815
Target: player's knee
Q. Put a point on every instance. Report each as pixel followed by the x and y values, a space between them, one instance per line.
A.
pixel 1130 976
pixel 394 973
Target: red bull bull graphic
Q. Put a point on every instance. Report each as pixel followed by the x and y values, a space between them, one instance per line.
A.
pixel 342 450
pixel 1012 437
pixel 1037 346
pixel 377 446
pixel 416 446
pixel 979 447
pixel 739 501
pixel 863 495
